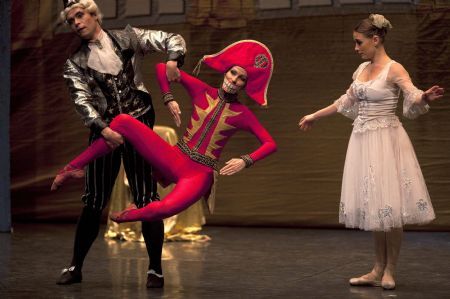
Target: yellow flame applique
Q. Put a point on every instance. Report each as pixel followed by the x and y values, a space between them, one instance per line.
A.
pixel 221 127
pixel 201 113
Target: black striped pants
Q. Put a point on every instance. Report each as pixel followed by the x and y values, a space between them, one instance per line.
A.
pixel 101 174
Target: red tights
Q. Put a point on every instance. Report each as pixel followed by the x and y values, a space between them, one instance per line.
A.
pixel 193 180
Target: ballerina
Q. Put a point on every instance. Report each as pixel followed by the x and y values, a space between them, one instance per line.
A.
pixel 382 186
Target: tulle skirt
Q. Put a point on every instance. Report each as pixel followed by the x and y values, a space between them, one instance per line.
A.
pixel 383 186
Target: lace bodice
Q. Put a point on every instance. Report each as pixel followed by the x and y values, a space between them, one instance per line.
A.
pixel 372 104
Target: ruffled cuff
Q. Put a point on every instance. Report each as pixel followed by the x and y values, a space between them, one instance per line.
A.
pixel 348 111
pixel 411 108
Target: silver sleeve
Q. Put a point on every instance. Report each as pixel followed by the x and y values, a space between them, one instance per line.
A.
pixel 160 41
pixel 82 96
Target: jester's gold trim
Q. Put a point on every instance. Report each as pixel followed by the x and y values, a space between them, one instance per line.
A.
pixel 202 114
pixel 211 121
pixel 221 112
pixel 220 128
pixel 197 157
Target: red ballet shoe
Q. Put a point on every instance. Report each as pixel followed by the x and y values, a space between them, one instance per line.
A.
pixel 121 216
pixel 68 172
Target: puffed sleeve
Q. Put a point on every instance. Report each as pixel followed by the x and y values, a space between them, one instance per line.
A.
pixel 413 106
pixel 160 41
pixel 348 104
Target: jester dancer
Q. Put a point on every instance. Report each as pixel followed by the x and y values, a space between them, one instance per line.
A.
pixel 217 115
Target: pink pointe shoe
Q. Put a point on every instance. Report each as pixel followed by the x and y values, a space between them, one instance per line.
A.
pixel 369 279
pixel 121 216
pixel 388 282
pixel 68 172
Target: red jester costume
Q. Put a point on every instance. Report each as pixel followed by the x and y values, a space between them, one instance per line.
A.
pixel 216 117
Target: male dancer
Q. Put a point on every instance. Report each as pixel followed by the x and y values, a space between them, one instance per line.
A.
pixel 103 80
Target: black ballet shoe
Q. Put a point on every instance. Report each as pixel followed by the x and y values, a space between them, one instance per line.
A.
pixel 69 276
pixel 154 280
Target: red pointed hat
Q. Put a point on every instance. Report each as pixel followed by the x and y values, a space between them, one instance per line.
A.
pixel 254 57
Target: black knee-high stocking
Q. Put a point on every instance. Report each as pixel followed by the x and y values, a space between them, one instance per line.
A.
pixel 153 233
pixel 86 233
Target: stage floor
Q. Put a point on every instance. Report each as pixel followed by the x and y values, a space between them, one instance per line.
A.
pixel 236 263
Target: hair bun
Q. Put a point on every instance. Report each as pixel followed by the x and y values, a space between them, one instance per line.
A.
pixel 380 21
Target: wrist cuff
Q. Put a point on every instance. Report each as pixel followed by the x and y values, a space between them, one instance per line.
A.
pixel 248 161
pixel 167 97
pixel 98 125
pixel 178 57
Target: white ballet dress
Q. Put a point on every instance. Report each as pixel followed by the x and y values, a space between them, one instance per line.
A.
pixel 382 186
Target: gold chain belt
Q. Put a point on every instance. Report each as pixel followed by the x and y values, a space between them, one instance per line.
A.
pixel 197 157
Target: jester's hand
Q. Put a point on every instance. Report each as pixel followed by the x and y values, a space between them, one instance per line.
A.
pixel 233 166
pixel 175 111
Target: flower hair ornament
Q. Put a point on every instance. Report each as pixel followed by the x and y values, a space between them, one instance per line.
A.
pixel 380 21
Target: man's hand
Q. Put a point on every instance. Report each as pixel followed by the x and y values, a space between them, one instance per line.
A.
pixel 172 71
pixel 174 109
pixel 112 138
pixel 232 166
